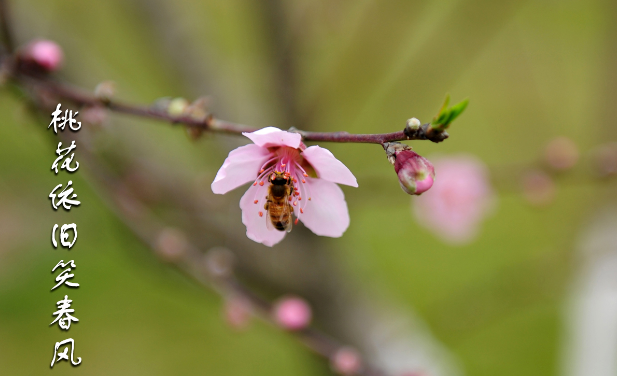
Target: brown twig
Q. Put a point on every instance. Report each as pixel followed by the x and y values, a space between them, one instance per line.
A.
pixel 81 97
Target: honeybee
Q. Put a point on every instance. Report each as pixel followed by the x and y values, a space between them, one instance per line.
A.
pixel 277 202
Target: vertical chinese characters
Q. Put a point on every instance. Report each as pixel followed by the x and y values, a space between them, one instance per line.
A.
pixel 64 196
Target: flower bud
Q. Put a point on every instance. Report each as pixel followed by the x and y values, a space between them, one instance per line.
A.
pixel 105 90
pixel 95 115
pixel 415 173
pixel 219 262
pixel 414 124
pixel 292 313
pixel 605 159
pixel 171 244
pixel 237 312
pixel 538 188
pixel 198 109
pixel 45 54
pixel 561 154
pixel 177 107
pixel 346 361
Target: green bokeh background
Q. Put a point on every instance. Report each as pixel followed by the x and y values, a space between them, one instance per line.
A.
pixel 532 71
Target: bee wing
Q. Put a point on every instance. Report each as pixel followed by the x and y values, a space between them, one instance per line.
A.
pixel 288 211
pixel 285 216
pixel 269 224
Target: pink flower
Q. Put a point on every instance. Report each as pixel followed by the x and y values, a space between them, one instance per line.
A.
pixel 313 173
pixel 292 313
pixel 45 53
pixel 458 201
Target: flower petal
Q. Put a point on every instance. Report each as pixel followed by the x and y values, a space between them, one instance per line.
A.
pixel 241 166
pixel 256 229
pixel 326 213
pixel 328 167
pixel 271 136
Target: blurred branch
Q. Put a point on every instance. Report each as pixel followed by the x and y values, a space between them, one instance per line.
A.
pixel 5 28
pixel 83 98
pixel 283 56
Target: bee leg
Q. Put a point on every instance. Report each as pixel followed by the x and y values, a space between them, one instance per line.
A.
pixel 266 205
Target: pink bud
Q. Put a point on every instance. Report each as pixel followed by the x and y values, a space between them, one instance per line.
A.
pixel 95 115
pixel 170 244
pixel 346 361
pixel 238 312
pixel 561 153
pixel 292 313
pixel 45 53
pixel 219 262
pixel 538 188
pixel 605 158
pixel 415 173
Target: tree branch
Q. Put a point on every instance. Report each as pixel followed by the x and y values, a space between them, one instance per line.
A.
pixel 81 97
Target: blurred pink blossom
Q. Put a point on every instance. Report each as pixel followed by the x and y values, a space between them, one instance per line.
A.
pixel 458 201
pixel 45 53
pixel 237 312
pixel 538 188
pixel 170 244
pixel 292 313
pixel 605 159
pixel 316 199
pixel 346 361
pixel 94 115
pixel 561 153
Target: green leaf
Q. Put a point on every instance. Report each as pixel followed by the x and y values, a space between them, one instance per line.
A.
pixel 445 104
pixel 457 109
pixel 447 115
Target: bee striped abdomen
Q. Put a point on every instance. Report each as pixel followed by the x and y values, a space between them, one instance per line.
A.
pixel 279 218
pixel 279 210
